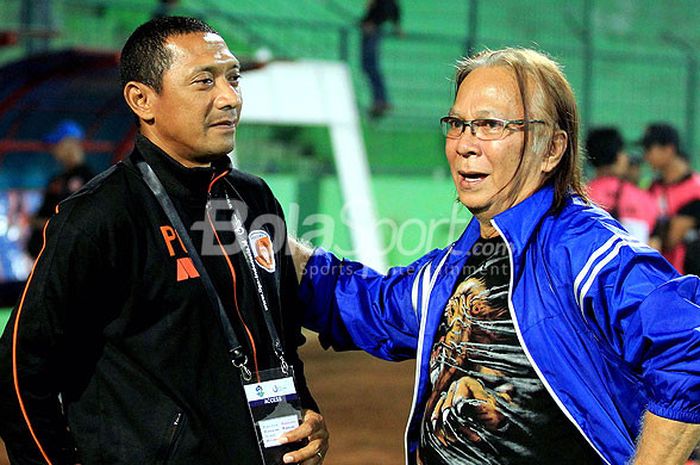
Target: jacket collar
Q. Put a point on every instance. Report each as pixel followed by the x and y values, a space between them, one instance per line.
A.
pixel 517 224
pixel 186 184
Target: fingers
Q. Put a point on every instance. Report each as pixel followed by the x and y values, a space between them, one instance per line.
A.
pixel 440 415
pixel 463 393
pixel 313 424
pixel 450 395
pixel 435 416
pixel 311 454
pixel 314 429
pixel 478 391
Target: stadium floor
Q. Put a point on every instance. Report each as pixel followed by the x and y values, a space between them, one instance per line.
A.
pixel 365 401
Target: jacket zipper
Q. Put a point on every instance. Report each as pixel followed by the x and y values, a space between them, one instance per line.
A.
pixel 516 325
pixel 172 437
pixel 232 270
pixel 421 341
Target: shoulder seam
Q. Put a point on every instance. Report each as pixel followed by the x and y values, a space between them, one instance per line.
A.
pixel 94 183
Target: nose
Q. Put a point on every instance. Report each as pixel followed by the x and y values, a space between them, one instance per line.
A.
pixel 466 144
pixel 229 96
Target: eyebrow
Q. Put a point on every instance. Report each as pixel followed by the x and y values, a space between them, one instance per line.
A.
pixel 216 68
pixel 481 114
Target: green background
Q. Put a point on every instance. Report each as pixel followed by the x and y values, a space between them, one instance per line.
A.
pixel 4 315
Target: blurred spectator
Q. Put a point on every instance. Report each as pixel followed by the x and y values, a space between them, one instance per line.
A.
pixel 377 13
pixel 66 141
pixel 677 192
pixel 634 171
pixel 685 228
pixel 632 206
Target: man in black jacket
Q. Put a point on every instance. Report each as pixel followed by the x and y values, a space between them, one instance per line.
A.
pixel 138 323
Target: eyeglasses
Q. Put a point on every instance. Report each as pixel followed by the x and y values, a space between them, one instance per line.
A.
pixel 482 128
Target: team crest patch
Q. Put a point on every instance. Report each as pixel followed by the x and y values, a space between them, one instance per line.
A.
pixel 261 245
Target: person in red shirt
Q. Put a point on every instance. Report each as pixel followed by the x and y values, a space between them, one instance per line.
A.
pixel 630 205
pixel 676 191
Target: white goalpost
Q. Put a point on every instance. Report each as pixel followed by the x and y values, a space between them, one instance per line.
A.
pixel 321 93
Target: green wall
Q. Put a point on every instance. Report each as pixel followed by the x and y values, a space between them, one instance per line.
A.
pixel 640 57
pixel 4 315
pixel 416 214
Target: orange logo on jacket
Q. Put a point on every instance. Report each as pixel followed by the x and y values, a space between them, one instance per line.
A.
pixel 185 266
pixel 263 252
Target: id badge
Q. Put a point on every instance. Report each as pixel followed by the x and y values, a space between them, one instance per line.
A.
pixel 275 408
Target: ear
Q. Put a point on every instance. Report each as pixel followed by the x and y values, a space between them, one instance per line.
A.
pixel 555 151
pixel 140 98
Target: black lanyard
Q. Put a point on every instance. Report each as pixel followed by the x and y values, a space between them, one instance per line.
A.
pixel 235 349
pixel 241 237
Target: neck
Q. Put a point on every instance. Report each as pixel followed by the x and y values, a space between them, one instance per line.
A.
pixel 484 216
pixel 189 163
pixel 169 151
pixel 486 229
pixel 676 170
pixel 604 171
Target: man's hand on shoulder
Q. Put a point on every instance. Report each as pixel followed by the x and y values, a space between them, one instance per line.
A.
pixel 301 253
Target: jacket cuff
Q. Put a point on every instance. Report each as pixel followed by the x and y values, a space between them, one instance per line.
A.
pixel 670 413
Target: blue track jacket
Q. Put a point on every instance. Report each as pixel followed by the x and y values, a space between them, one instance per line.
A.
pixel 608 324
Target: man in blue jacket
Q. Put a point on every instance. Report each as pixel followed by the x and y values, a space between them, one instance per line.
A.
pixel 546 334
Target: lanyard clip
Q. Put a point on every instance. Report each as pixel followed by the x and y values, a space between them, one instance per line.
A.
pixel 240 361
pixel 280 354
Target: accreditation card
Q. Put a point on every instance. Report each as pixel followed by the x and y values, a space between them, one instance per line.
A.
pixel 275 408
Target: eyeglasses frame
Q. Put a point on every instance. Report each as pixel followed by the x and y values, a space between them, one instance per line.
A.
pixel 472 128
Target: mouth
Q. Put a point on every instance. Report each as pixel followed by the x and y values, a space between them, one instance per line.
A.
pixel 225 124
pixel 471 178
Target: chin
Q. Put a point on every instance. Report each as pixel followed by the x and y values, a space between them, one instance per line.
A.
pixel 221 150
pixel 473 204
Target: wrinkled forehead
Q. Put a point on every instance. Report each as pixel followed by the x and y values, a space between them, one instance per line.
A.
pixel 488 91
pixel 200 48
pixel 521 86
pixel 216 44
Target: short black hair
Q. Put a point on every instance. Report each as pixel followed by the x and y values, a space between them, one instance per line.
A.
pixel 661 134
pixel 603 145
pixel 145 58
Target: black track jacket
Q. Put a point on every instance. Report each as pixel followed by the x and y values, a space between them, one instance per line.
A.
pixel 114 354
